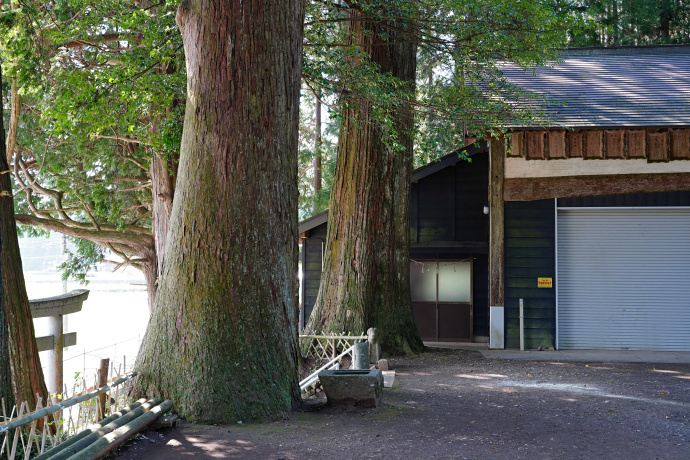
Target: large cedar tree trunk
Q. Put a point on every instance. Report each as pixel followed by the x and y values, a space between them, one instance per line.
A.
pixel 222 338
pixel 365 280
pixel 25 365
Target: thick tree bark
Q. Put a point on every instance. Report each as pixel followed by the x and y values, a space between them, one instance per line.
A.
pixel 317 158
pixel 26 371
pixel 222 338
pixel 365 280
pixel 6 390
pixel 163 189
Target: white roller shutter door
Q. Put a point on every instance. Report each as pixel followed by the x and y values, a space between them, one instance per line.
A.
pixel 623 279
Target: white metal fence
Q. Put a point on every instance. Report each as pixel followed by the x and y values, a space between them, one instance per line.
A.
pixel 327 352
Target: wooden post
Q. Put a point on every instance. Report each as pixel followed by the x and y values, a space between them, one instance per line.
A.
pixel 102 381
pixel 496 243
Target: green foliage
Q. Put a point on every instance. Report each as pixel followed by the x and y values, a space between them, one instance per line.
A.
pixel 91 75
pixel 78 263
pixel 460 92
pixel 311 203
pixel 631 22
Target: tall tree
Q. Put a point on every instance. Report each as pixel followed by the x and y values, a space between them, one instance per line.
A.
pixel 222 338
pixel 6 390
pixel 365 279
pixel 26 371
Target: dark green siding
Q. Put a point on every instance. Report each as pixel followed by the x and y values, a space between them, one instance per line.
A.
pixel 530 254
pixel 312 252
pixel 447 221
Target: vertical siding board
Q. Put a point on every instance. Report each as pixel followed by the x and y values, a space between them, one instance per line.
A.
pixel 574 145
pixel 614 143
pixel 516 144
pixel 680 144
pixel 593 147
pixel 636 142
pixel 557 144
pixel 535 145
pixel 658 146
pixel 529 255
pixel 312 267
pixel 414 213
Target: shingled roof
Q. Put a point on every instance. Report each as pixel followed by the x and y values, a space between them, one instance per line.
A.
pixel 613 87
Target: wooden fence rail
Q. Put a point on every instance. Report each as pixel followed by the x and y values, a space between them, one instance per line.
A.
pixel 20 434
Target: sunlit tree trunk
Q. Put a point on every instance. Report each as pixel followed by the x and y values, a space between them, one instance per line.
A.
pixel 221 341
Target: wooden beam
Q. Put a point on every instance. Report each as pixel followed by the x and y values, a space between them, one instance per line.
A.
pixel 529 189
pixel 496 222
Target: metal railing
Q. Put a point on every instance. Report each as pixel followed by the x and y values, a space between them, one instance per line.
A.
pixel 326 347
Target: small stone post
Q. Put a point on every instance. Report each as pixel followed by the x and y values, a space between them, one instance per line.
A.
pixel 360 360
pixel 374 345
pixel 53 373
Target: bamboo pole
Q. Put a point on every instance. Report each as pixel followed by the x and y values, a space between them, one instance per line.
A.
pixel 91 429
pixel 110 441
pixel 94 434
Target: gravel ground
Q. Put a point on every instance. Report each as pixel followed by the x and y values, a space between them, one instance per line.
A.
pixel 455 404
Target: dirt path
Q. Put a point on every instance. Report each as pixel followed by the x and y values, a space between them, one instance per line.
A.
pixel 453 404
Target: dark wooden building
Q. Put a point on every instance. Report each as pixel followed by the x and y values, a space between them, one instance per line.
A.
pixel 449 237
pixel 588 223
pixel 590 213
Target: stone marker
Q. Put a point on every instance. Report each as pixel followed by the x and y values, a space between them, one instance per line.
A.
pixel 361 388
pixel 360 359
pixel 374 345
pixel 382 364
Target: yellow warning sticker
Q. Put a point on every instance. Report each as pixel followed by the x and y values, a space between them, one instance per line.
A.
pixel 545 282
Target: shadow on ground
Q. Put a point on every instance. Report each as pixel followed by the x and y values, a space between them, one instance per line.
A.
pixel 453 404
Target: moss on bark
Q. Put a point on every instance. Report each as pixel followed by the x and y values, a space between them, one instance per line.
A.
pixel 365 280
pixel 221 342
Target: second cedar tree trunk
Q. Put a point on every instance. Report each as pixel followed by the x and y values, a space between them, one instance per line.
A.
pixel 6 390
pixel 222 339
pixel 366 270
pixel 26 370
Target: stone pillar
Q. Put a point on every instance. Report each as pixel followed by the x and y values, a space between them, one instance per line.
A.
pixel 54 309
pixel 54 377
pixel 374 345
pixel 360 360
